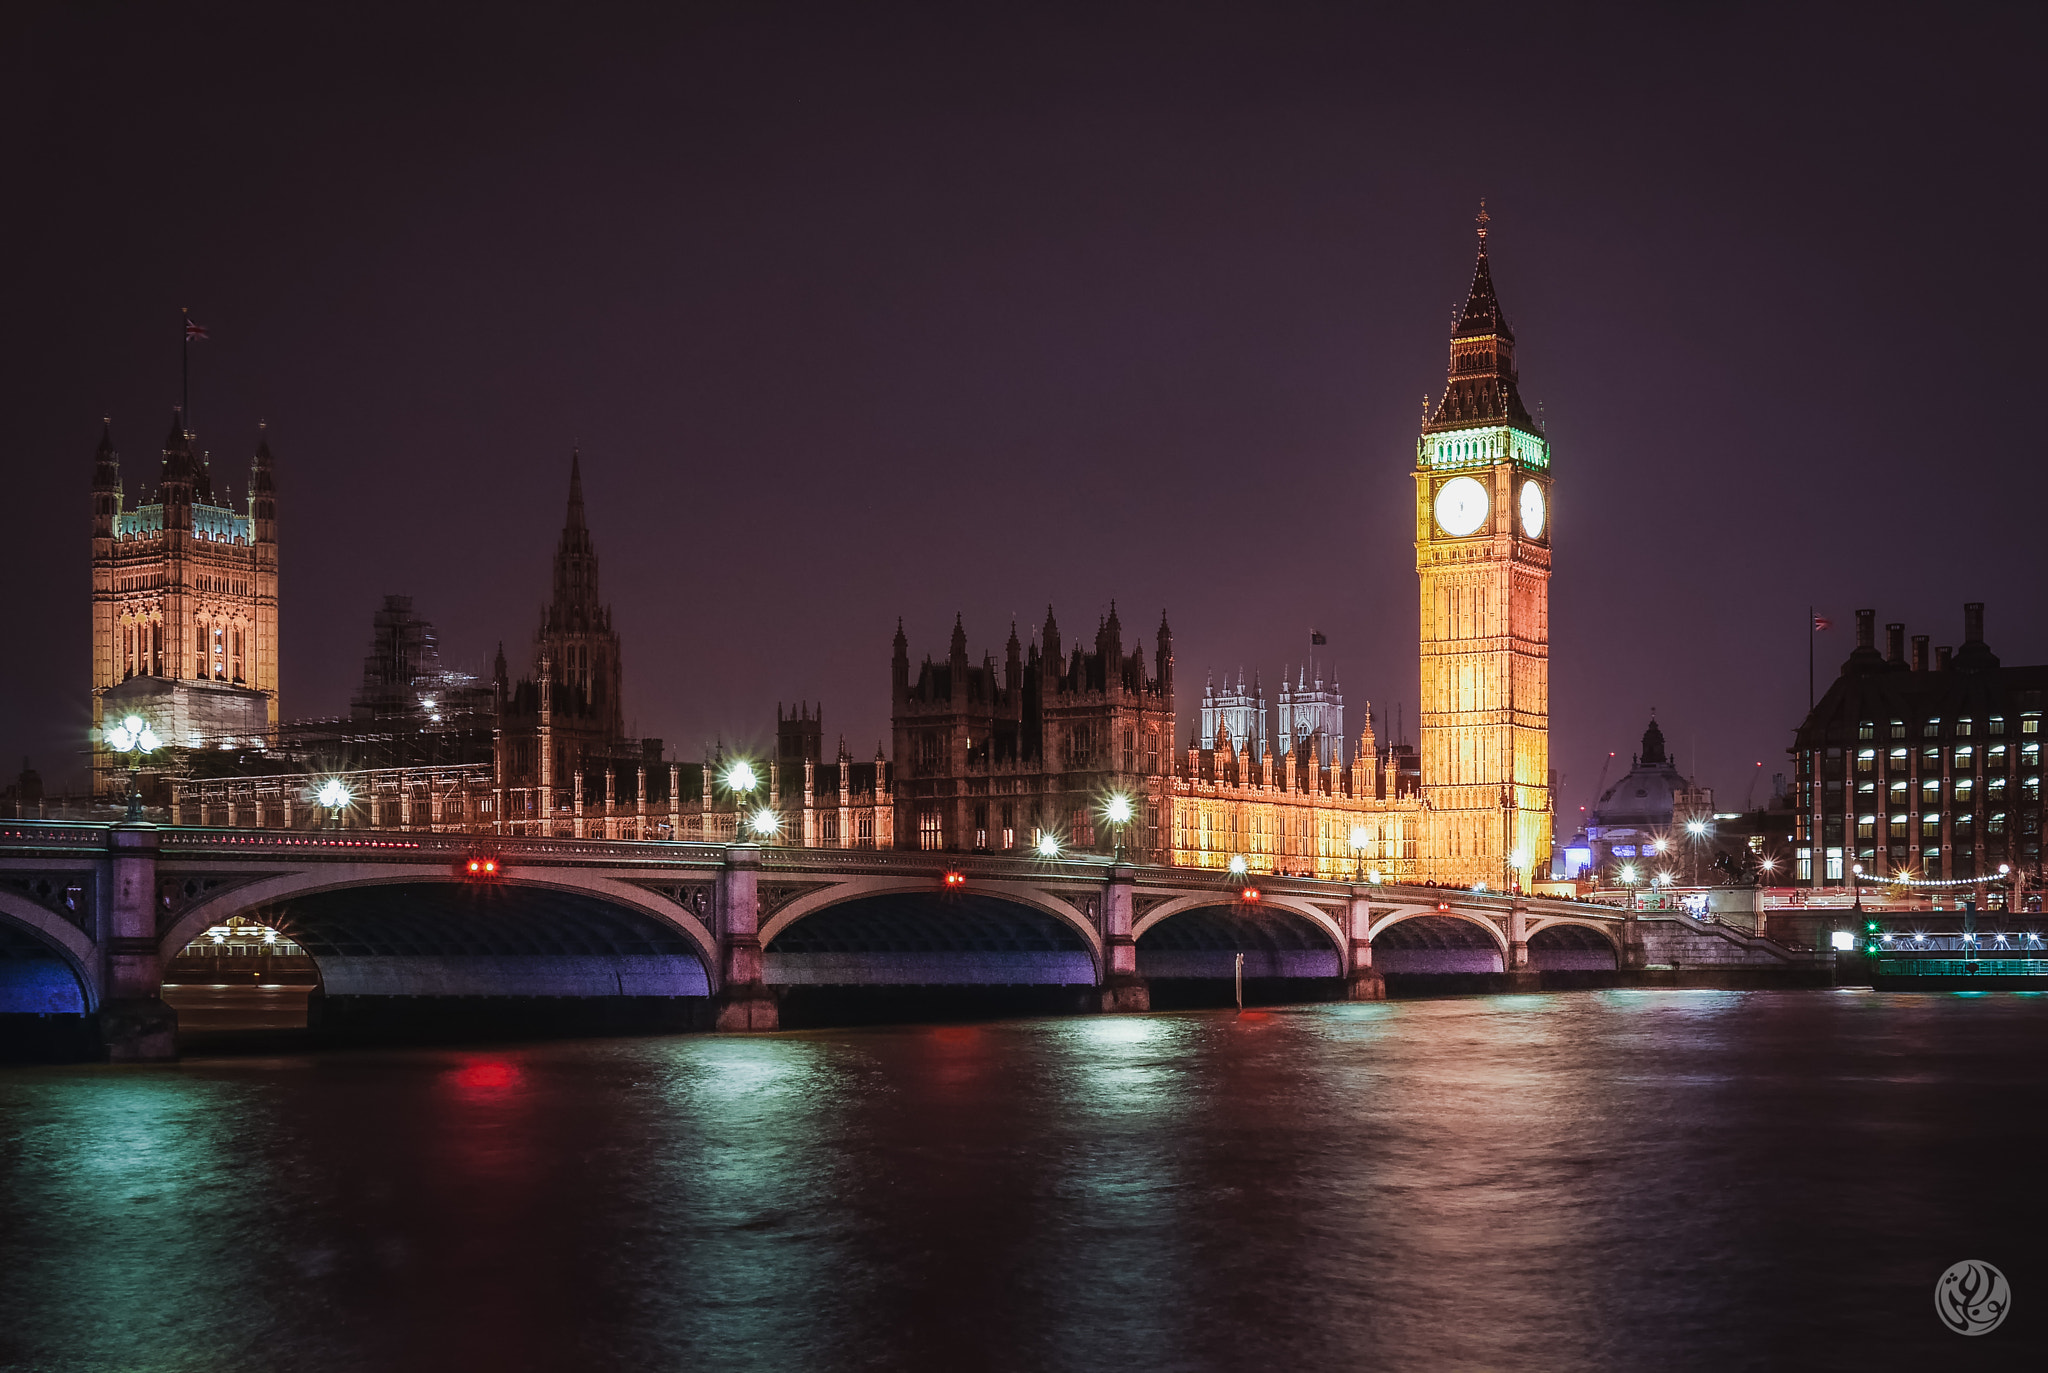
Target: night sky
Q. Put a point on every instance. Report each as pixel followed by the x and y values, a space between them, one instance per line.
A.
pixel 866 311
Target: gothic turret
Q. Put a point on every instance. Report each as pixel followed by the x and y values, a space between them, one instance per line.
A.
pixel 106 484
pixel 174 478
pixel 262 490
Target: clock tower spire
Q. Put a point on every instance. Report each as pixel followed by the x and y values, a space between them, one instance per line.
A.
pixel 1482 557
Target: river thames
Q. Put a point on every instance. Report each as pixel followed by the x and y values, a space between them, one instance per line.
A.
pixel 1603 1180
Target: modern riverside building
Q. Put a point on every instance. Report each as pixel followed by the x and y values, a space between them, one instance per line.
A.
pixel 1919 770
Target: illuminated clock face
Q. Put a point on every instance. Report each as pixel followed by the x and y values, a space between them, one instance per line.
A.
pixel 1460 506
pixel 1532 510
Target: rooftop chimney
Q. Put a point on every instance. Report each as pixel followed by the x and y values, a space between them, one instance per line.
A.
pixel 1973 622
pixel 1895 644
pixel 1919 653
pixel 1866 629
pixel 1941 658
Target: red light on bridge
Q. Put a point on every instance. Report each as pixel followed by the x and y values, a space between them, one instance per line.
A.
pixel 1249 894
pixel 955 880
pixel 481 867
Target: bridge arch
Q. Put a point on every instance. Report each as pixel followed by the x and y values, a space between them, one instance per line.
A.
pixel 268 892
pixel 1472 918
pixel 860 888
pixel 1563 943
pixel 46 962
pixel 1203 936
pixel 905 934
pixel 1429 940
pixel 1294 905
pixel 569 934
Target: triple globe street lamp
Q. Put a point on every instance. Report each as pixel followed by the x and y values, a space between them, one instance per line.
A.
pixel 134 737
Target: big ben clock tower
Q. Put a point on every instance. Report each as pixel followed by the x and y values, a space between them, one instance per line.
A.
pixel 1482 554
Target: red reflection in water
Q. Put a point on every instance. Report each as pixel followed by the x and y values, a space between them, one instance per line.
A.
pixel 488 1079
pixel 956 1034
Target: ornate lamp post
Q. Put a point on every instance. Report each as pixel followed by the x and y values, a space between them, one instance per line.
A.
pixel 134 737
pixel 741 780
pixel 1117 810
pixel 1360 837
pixel 335 795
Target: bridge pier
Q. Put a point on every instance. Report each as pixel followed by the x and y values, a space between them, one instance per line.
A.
pixel 1122 988
pixel 1521 976
pixel 744 1001
pixel 1362 981
pixel 136 1025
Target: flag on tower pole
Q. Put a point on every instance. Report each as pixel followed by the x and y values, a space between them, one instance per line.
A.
pixel 193 331
pixel 1816 623
pixel 1315 636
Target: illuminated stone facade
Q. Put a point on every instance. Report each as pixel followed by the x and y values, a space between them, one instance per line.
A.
pixel 1482 555
pixel 184 603
pixel 989 759
pixel 1351 817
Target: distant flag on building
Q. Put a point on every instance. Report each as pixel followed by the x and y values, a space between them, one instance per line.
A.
pixel 1822 622
pixel 1316 636
pixel 194 331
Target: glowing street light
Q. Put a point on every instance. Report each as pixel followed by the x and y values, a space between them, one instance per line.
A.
pixel 1048 845
pixel 1117 810
pixel 765 823
pixel 1238 866
pixel 741 780
pixel 335 796
pixel 134 737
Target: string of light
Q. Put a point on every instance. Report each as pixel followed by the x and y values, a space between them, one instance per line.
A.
pixel 1897 881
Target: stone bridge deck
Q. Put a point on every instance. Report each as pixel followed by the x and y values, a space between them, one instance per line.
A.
pixel 90 914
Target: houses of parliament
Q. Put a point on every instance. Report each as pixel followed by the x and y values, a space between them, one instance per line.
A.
pixel 983 755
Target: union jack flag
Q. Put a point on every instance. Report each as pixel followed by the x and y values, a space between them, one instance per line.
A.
pixel 1823 622
pixel 194 331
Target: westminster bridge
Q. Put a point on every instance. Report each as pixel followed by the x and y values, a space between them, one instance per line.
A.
pixel 91 914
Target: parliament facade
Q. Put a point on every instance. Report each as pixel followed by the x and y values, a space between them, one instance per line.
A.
pixel 1073 746
pixel 998 758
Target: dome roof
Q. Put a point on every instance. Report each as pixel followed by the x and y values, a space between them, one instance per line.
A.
pixel 1648 794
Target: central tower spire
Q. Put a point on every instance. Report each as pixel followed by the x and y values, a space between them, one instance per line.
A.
pixel 576 640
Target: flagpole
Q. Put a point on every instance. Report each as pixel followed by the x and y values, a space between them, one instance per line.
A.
pixel 1809 660
pixel 185 387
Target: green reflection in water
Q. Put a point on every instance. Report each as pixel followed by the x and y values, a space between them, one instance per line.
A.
pixel 135 1219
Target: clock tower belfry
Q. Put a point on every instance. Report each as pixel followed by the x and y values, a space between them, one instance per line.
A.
pixel 1482 556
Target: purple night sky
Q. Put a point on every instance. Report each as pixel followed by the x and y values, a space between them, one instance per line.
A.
pixel 859 311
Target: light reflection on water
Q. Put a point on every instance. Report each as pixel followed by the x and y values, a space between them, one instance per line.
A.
pixel 1596 1180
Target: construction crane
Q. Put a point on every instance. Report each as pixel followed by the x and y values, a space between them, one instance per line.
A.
pixel 1597 786
pixel 1749 795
